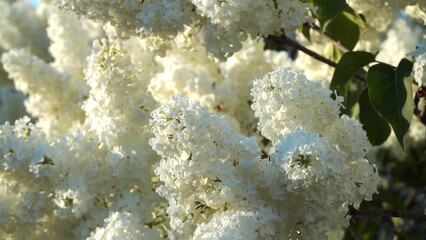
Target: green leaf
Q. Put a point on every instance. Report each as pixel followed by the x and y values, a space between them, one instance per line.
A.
pixel 350 63
pixel 328 9
pixel 378 130
pixel 354 17
pixel 304 29
pixel 351 102
pixel 332 52
pixel 391 95
pixel 343 30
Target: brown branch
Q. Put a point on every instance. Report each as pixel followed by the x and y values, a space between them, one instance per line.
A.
pixel 330 38
pixel 356 215
pixel 283 39
pixel 420 114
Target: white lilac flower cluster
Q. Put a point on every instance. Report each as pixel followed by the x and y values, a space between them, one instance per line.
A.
pixel 405 34
pixel 91 164
pixel 217 184
pixel 207 169
pixel 223 87
pixel 419 57
pixel 123 226
pixel 118 106
pixel 394 20
pixel 23 26
pixel 285 100
pixel 64 186
pixel 27 32
pixel 56 88
pixel 388 4
pixel 220 26
pixel 54 97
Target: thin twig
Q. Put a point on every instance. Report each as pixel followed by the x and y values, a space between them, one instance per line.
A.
pixel 356 215
pixel 330 38
pixel 283 39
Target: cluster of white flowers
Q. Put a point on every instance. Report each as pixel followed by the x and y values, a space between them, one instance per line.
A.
pixel 406 35
pixel 419 56
pixel 125 144
pixel 223 87
pixel 220 26
pixel 285 100
pixel 23 26
pixel 27 32
pixel 388 4
pixel 210 172
pixel 123 226
pixel 73 182
pixel 380 17
pixel 207 168
pixel 54 97
pixel 71 41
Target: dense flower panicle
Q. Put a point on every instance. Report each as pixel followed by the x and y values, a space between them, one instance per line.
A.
pixel 224 87
pixel 233 21
pixel 70 40
pixel 161 20
pixel 206 167
pixel 54 97
pixel 56 183
pixel 206 175
pixel 22 146
pixel 99 171
pixel 319 177
pixel 27 32
pixel 388 4
pixel 139 132
pixel 382 15
pixel 266 14
pixel 118 106
pixel 190 73
pixel 234 225
pixel 331 157
pixel 416 12
pixel 419 56
pixel 123 225
pixel 405 34
pixel 240 70
pixel 284 100
pixel 221 26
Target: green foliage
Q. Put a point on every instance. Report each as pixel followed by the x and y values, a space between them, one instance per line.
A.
pixel 351 102
pixel 304 29
pixel 350 14
pixel 391 94
pixel 377 128
pixel 385 101
pixel 332 52
pixel 328 9
pixel 343 29
pixel 349 64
